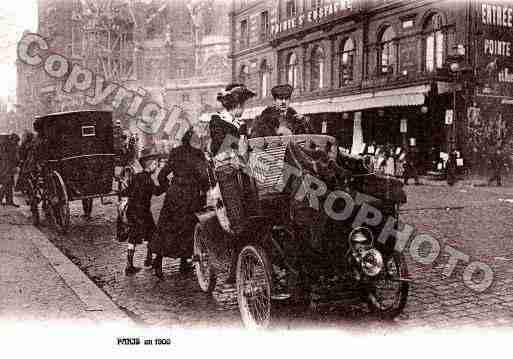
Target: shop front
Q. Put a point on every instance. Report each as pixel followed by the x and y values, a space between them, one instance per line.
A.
pixel 389 119
pixel 392 119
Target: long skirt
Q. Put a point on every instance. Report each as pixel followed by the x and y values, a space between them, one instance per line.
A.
pixel 177 219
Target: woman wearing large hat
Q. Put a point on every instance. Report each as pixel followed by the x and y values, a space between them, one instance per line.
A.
pixel 229 121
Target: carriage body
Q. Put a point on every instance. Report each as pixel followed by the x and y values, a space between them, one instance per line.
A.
pixel 76 154
pixel 80 147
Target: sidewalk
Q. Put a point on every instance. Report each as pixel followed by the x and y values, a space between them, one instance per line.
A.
pixel 465 182
pixel 38 283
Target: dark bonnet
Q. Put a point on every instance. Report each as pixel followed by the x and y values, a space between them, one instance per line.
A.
pixel 234 94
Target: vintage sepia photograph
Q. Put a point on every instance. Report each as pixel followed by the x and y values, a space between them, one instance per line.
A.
pixel 300 177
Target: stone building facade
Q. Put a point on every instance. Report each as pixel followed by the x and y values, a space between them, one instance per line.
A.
pixel 382 71
pixel 160 47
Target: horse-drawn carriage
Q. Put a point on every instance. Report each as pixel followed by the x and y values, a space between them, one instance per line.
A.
pixel 288 217
pixel 75 161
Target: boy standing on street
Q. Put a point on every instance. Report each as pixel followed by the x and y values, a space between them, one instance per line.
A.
pixel 140 219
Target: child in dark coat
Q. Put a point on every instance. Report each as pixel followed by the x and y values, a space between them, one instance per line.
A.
pixel 140 219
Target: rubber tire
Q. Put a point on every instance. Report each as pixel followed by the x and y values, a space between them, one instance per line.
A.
pixel 207 282
pixel 263 258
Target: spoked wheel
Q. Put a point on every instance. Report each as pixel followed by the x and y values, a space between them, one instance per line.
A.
pixel 58 202
pixel 387 295
pixel 204 272
pixel 254 285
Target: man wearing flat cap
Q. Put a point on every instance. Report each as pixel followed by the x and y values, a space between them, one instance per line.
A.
pixel 280 118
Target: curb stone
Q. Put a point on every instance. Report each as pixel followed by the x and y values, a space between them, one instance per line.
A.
pixel 99 307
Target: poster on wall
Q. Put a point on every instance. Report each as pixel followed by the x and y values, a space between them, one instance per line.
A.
pixel 448 117
pixel 495 62
pixel 473 114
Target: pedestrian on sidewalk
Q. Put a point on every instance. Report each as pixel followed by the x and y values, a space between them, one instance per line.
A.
pixel 410 166
pixel 24 161
pixel 497 165
pixel 451 168
pixel 185 196
pixel 8 164
pixel 140 219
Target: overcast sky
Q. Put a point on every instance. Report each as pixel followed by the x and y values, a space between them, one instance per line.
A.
pixel 15 17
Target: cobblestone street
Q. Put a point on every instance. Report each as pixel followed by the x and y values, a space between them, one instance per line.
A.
pixel 473 220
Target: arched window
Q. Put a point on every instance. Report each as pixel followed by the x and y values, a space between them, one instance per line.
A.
pixel 347 54
pixel 387 54
pixel 317 68
pixel 264 79
pixel 243 74
pixel 292 70
pixel 434 43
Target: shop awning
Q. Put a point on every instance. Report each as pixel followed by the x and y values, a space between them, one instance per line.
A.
pixel 407 96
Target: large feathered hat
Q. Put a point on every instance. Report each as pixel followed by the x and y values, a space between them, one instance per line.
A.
pixel 235 94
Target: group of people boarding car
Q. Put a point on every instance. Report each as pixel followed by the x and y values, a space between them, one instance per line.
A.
pixel 172 235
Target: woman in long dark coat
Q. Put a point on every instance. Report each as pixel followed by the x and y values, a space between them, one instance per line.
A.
pixel 185 196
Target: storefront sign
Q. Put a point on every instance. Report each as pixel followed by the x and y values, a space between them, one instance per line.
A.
pixel 332 9
pixel 495 20
pixel 448 117
pixel 324 127
pixel 473 114
pixel 358 145
pixel 404 125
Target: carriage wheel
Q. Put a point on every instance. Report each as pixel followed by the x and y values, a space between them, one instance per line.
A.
pixel 254 287
pixel 204 271
pixel 58 201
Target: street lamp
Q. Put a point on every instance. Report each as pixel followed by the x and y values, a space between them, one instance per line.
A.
pixel 457 67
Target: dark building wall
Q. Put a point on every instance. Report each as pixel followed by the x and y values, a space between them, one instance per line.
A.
pixel 250 53
pixel 364 25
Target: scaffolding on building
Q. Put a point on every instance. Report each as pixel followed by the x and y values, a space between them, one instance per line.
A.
pixel 108 39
